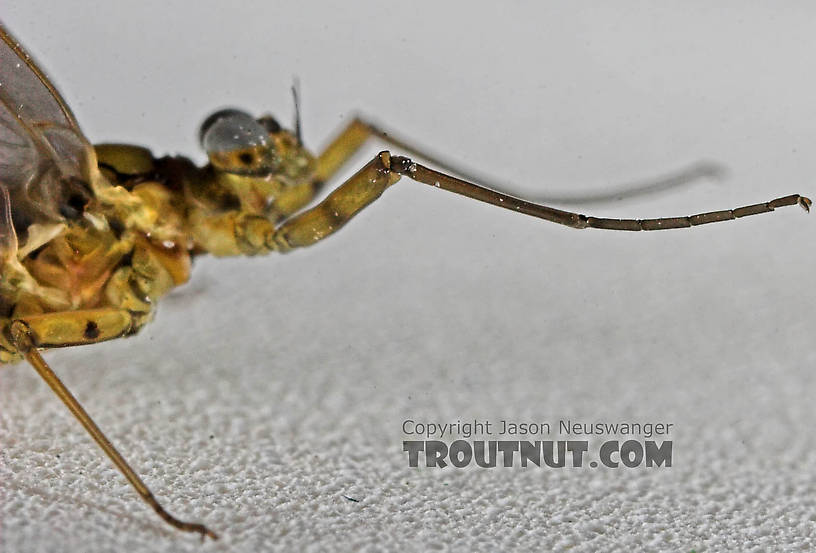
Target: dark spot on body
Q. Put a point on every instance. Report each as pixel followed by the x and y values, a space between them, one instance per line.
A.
pixel 91 330
pixel 246 158
pixel 127 259
pixel 117 227
pixel 112 172
pixel 174 173
pixel 73 206
pixel 317 186
pixel 6 308
pixel 230 202
pixel 69 213
pixel 36 252
pixel 128 180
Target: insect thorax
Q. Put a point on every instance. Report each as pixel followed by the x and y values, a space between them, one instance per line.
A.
pixel 134 238
pixel 123 249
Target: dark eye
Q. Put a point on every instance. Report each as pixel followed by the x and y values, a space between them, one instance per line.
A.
pixel 270 124
pixel 229 130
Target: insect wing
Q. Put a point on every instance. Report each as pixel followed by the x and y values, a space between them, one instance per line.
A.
pixel 44 158
pixel 8 238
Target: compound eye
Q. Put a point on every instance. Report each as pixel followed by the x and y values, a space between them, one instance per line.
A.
pixel 229 130
pixel 270 124
pixel 237 143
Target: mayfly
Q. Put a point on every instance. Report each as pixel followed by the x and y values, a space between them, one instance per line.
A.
pixel 92 236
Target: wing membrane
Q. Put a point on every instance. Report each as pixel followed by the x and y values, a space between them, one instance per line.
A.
pixel 44 158
pixel 32 94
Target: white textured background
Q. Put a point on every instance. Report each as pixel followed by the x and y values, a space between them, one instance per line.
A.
pixel 267 389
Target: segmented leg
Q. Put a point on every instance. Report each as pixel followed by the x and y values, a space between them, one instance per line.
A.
pixel 336 210
pixel 419 173
pixel 73 328
pixel 375 177
pixel 58 329
pixel 359 130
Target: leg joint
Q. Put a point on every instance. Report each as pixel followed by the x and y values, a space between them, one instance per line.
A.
pixel 22 336
pixel 402 165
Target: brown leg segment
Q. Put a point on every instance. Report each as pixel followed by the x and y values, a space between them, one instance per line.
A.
pixel 419 173
pixel 24 341
pixel 375 177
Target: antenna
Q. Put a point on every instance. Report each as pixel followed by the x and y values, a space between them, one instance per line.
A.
pixel 296 96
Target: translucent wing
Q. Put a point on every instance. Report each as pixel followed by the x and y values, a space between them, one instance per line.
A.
pixel 45 161
pixel 8 238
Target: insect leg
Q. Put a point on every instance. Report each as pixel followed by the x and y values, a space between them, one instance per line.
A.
pixel 327 217
pixel 368 184
pixel 347 143
pixel 73 328
pixel 234 233
pixel 352 137
pixel 24 340
pixel 419 173
pixel 374 178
